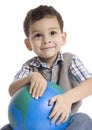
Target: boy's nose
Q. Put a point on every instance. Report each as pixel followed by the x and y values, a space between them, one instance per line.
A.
pixel 46 40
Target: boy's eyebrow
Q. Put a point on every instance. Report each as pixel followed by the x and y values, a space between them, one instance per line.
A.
pixel 48 29
pixel 35 31
pixel 53 28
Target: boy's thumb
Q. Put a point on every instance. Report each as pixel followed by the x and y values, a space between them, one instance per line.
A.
pixel 52 100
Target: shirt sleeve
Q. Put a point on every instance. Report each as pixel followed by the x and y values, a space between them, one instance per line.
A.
pixel 78 70
pixel 25 70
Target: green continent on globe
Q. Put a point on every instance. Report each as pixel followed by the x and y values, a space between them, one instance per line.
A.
pixel 55 86
pixel 24 96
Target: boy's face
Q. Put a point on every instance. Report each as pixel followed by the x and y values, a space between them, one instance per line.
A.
pixel 46 38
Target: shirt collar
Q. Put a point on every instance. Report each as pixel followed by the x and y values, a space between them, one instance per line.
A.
pixel 37 62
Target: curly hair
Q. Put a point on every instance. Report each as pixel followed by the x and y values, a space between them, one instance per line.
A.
pixel 38 13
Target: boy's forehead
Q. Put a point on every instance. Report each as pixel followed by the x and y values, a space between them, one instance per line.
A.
pixel 46 21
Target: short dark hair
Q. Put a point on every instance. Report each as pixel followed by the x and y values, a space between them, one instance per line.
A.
pixel 38 13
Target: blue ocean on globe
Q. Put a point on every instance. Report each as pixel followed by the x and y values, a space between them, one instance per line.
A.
pixel 27 113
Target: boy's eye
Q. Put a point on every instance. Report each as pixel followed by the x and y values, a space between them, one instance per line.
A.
pixel 37 35
pixel 53 32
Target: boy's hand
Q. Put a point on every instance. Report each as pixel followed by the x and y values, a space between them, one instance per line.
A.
pixel 61 109
pixel 38 84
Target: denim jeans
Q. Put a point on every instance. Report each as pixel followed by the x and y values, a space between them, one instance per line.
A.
pixel 79 121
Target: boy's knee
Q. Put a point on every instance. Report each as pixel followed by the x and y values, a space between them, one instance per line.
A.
pixel 83 119
pixel 80 121
pixel 6 127
pixel 83 116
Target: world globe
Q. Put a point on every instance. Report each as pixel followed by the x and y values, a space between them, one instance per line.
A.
pixel 27 113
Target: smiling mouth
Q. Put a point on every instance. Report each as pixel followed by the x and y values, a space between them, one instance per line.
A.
pixel 47 48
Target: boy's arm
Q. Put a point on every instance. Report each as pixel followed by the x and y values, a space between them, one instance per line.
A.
pixel 17 84
pixel 37 86
pixel 83 90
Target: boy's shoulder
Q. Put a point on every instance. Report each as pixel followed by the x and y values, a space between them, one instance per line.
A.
pixel 33 61
pixel 67 56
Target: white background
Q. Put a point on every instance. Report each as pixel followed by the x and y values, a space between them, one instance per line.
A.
pixel 77 15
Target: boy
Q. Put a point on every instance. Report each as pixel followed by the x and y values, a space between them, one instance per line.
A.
pixel 43 27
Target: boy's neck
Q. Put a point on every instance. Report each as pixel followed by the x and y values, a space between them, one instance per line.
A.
pixel 49 61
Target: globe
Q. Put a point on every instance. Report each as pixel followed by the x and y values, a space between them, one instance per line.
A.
pixel 27 113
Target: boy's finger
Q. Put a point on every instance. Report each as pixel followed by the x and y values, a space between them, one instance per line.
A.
pixel 54 111
pixel 35 89
pixel 31 87
pixel 55 117
pixel 38 89
pixel 43 87
pixel 61 118
pixel 33 92
pixel 52 100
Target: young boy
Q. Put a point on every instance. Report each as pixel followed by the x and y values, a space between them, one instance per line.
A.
pixel 43 27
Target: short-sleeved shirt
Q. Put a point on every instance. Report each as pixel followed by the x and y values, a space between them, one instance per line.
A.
pixel 77 69
pixel 67 71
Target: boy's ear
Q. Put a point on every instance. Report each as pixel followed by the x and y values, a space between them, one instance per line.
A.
pixel 28 45
pixel 64 35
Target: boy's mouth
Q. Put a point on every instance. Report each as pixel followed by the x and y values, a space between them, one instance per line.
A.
pixel 48 48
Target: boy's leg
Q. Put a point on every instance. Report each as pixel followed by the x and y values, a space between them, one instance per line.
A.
pixel 80 121
pixel 6 127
